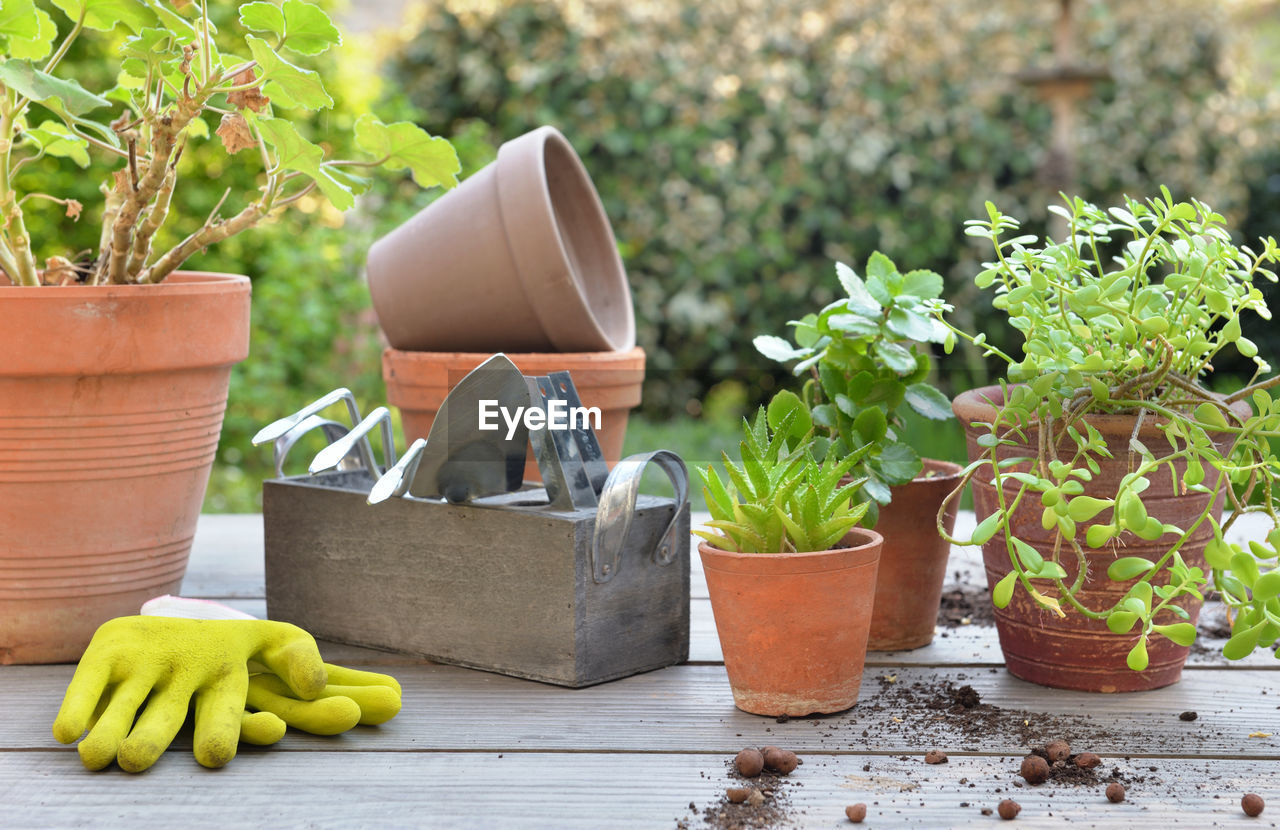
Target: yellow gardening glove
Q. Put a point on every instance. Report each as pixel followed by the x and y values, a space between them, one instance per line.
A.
pixel 350 697
pixel 166 662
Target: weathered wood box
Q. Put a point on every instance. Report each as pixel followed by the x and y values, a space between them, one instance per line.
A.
pixel 506 588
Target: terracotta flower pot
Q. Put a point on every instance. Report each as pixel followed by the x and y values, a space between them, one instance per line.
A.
pixel 519 258
pixel 111 404
pixel 793 626
pixel 1076 652
pixel 913 565
pixel 417 383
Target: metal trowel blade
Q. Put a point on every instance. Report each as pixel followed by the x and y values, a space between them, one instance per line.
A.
pixel 460 461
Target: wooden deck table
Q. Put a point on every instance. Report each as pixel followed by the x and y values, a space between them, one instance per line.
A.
pixel 472 749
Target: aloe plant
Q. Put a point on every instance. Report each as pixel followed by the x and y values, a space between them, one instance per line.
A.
pixel 171 73
pixel 780 499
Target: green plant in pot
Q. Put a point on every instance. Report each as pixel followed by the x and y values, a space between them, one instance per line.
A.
pixel 866 358
pixel 117 362
pixel 1101 466
pixel 790 574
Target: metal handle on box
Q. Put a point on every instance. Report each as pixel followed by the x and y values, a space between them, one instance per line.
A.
pixel 618 505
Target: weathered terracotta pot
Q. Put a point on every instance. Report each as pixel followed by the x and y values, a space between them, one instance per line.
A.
pixel 417 383
pixel 111 404
pixel 519 258
pixel 1076 652
pixel 913 565
pixel 793 626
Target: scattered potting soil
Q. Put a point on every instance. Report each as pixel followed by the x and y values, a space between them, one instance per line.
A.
pixel 726 815
pixel 965 606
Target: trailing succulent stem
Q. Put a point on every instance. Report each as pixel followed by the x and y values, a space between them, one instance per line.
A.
pixel 1126 315
pixel 172 72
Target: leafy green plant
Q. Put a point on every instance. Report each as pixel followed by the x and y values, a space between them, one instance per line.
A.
pixel 865 357
pixel 780 499
pixel 1127 315
pixel 172 72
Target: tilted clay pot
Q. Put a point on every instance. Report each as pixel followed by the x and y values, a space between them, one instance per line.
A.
pixel 111 405
pixel 417 383
pixel 793 626
pixel 913 565
pixel 519 258
pixel 1075 652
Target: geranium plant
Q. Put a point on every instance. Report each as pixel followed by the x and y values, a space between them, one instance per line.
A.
pixel 780 499
pixel 1127 314
pixel 866 357
pixel 172 74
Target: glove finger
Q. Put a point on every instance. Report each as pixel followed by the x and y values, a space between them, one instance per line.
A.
pixel 99 748
pixel 261 728
pixel 165 712
pixel 83 696
pixel 343 676
pixel 378 704
pixel 294 657
pixel 325 716
pixel 219 712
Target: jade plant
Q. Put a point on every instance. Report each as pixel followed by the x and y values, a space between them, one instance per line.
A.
pixel 1127 314
pixel 866 357
pixel 780 498
pixel 172 74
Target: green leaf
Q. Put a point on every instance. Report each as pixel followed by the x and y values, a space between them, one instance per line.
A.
pixel 293 152
pixel 881 274
pixel 1242 643
pixel 404 144
pixel 308 30
pixel 1030 558
pixel 1267 585
pixel 262 17
pixel 926 285
pixel 21 76
pixel 987 528
pixel 860 300
pixel 39 45
pixel 18 19
pixel 1184 634
pixel 910 325
pixel 1121 622
pixel 1207 413
pixel 1050 570
pixel 1128 567
pixel 898 463
pixel 1137 659
pixel 105 15
pixel 786 407
pixel 56 139
pixel 1003 592
pixel 288 85
pixel 871 424
pixel 772 347
pixel 1084 508
pixel 896 356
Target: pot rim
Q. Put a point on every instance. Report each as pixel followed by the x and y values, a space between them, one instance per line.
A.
pixel 978 404
pixel 559 304
pixel 607 356
pixel 179 282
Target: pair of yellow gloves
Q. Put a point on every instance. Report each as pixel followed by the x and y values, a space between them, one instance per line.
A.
pixel 162 665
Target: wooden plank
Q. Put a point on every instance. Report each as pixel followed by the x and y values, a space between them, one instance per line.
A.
pixel 535 790
pixel 690 709
pixel 226 558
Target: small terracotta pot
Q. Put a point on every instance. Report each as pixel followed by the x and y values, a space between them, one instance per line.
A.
pixel 793 626
pixel 1076 652
pixel 913 565
pixel 111 405
pixel 417 383
pixel 519 258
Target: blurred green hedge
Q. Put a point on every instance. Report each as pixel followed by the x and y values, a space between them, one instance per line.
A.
pixel 740 147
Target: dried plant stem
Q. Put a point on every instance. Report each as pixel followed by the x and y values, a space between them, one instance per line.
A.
pixel 205 236
pixel 155 218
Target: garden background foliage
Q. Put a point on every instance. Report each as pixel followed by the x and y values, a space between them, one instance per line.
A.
pixel 739 147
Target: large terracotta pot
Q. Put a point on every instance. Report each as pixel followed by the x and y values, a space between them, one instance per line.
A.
pixel 519 258
pixel 417 383
pixel 111 404
pixel 913 565
pixel 1076 652
pixel 793 626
